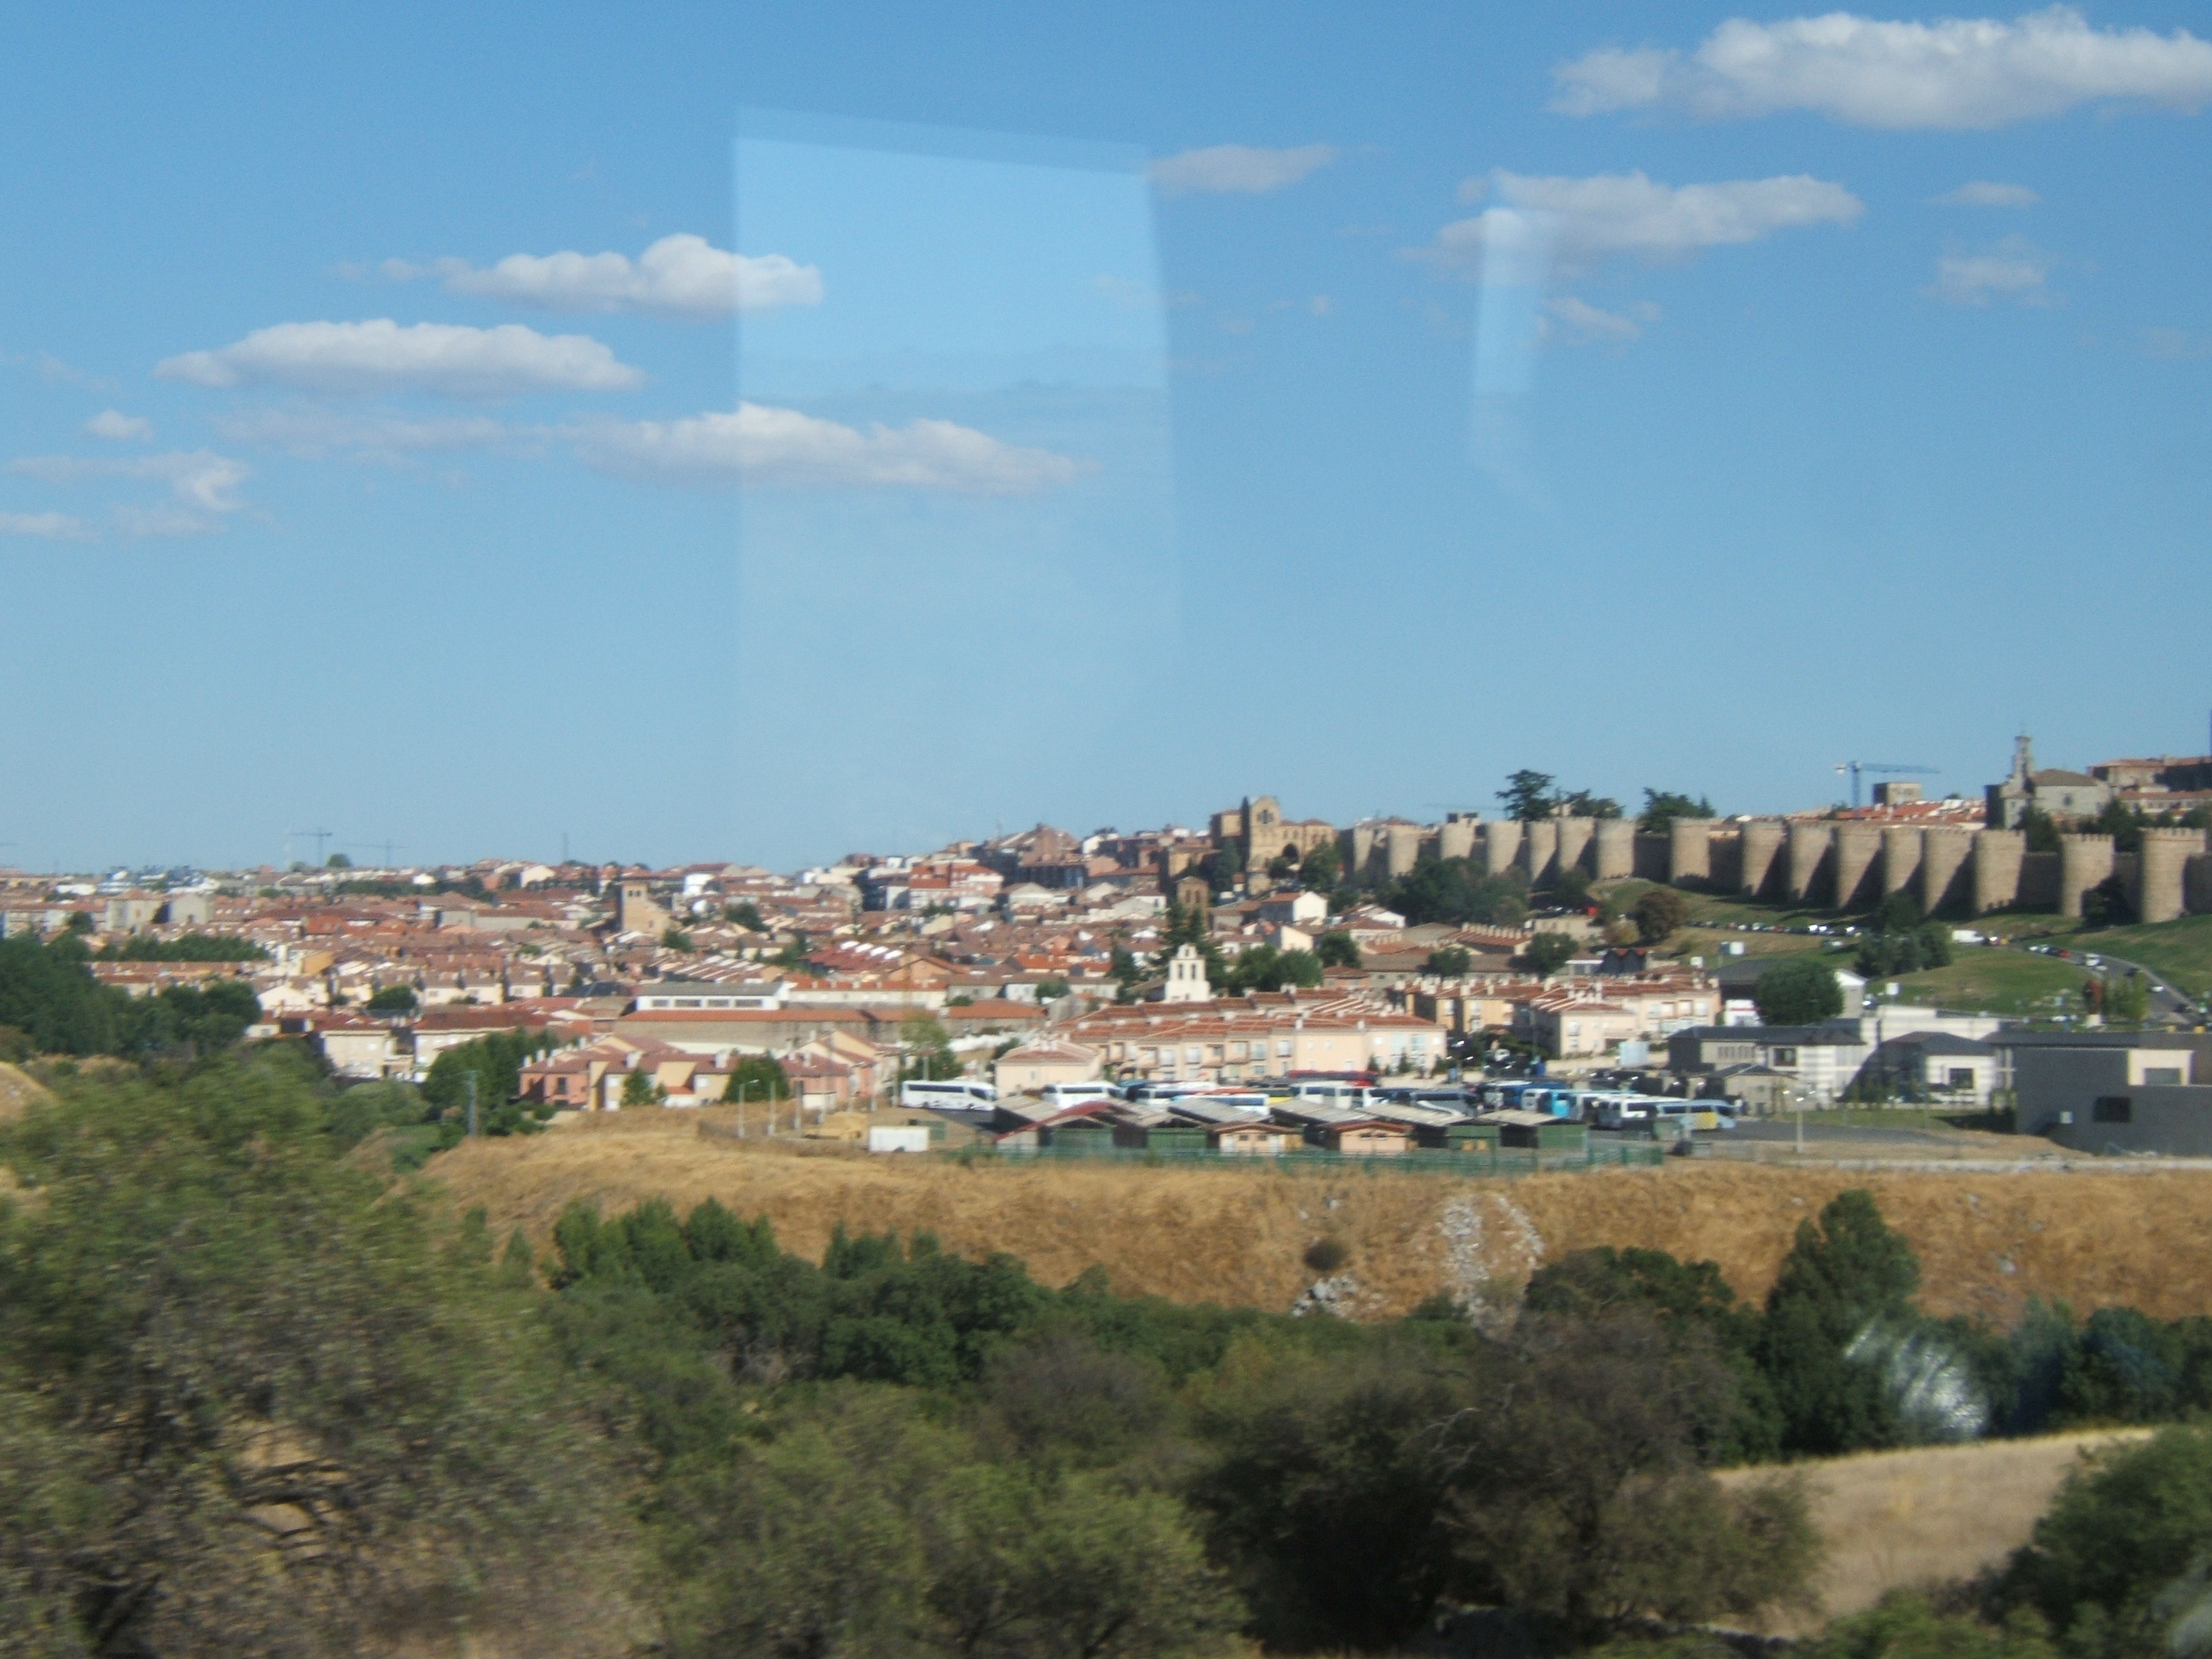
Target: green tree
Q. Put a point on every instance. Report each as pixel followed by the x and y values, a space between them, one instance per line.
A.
pixel 1222 866
pixel 1337 949
pixel 1662 807
pixel 1263 968
pixel 803 1547
pixel 1547 952
pixel 1579 1498
pixel 927 1047
pixel 1846 1278
pixel 191 947
pixel 1899 913
pixel 48 994
pixel 1584 804
pixel 757 1077
pixel 496 1061
pixel 1572 887
pixel 1459 892
pixel 1658 912
pixel 363 1110
pixel 1021 1566
pixel 393 1000
pixel 2117 1563
pixel 746 914
pixel 337 861
pixel 2040 829
pixel 79 922
pixel 208 1324
pixel 2121 821
pixel 2126 1000
pixel 2106 905
pixel 1126 975
pixel 1324 1495
pixel 792 958
pixel 640 1088
pixel 1903 1626
pixel 675 938
pixel 1190 925
pixel 1450 961
pixel 1321 868
pixel 1686 1297
pixel 1799 990
pixel 1527 796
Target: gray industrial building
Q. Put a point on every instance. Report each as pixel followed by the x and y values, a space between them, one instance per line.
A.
pixel 2112 1091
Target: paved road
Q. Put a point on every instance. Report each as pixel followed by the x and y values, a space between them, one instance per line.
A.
pixel 2166 998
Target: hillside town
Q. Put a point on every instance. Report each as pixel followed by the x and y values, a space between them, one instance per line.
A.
pixel 1047 983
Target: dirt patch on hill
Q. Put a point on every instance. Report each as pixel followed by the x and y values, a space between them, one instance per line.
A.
pixel 1235 1234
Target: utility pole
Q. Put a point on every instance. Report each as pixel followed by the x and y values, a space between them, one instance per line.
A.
pixel 322 840
pixel 471 1079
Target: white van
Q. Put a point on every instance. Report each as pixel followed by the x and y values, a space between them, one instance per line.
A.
pixel 955 1095
pixel 1074 1094
pixel 1624 1112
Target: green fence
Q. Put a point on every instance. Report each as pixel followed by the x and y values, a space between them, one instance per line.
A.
pixel 1422 1161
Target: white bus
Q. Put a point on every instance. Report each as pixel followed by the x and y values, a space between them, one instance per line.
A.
pixel 1074 1094
pixel 957 1095
pixel 1329 1091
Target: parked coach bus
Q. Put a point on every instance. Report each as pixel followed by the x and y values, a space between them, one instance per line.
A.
pixel 957 1096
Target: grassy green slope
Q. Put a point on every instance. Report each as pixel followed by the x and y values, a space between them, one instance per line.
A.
pixel 1994 982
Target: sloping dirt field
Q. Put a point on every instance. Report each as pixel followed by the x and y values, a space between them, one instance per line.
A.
pixel 1987 1239
pixel 1896 1520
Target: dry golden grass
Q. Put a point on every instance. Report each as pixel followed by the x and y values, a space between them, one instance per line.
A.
pixel 1232 1233
pixel 1902 1519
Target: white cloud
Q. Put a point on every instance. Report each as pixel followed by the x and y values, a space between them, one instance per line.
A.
pixel 761 447
pixel 1238 169
pixel 312 432
pixel 381 356
pixel 53 526
pixel 1580 220
pixel 197 479
pixel 1570 321
pixel 114 424
pixel 2014 269
pixel 682 277
pixel 1980 192
pixel 1956 72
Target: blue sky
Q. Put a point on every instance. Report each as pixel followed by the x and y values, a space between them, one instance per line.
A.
pixel 767 434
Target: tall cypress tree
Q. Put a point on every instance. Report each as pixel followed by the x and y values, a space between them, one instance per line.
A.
pixel 1841 1279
